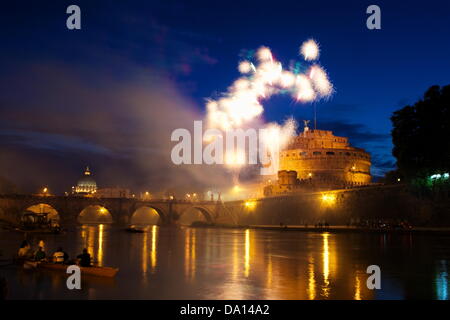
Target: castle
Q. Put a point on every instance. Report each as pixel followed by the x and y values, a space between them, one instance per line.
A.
pixel 319 160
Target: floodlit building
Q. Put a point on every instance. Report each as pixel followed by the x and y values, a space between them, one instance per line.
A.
pixel 86 185
pixel 317 159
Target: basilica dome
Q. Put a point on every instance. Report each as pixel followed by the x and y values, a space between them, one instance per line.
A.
pixel 86 184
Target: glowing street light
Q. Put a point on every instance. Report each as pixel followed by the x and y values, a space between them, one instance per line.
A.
pixel 328 199
pixel 45 191
pixel 250 204
pixel 146 195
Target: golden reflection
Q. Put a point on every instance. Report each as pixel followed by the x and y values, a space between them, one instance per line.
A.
pixel 144 253
pixel 269 273
pixel 100 245
pixel 311 279
pixel 326 265
pixel 247 253
pixel 357 288
pixel 93 235
pixel 153 253
pixel 90 239
pixel 189 254
pixel 235 273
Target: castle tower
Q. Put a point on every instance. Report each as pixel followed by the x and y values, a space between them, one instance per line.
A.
pixel 325 160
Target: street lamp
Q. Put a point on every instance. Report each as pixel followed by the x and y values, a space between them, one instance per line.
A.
pixel 329 199
pixel 250 204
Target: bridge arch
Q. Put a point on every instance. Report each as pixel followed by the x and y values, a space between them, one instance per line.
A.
pixel 147 214
pixel 95 214
pixel 195 213
pixel 160 209
pixel 43 208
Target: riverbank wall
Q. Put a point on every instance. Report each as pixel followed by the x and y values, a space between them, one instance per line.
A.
pixel 341 207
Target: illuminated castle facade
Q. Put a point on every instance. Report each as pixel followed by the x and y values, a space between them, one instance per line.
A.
pixel 318 159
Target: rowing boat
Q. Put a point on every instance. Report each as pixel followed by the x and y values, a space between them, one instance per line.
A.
pixel 94 271
pixel 134 230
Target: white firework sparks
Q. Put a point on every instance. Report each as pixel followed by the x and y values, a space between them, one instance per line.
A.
pixel 241 104
pixel 245 67
pixel 310 50
pixel 320 80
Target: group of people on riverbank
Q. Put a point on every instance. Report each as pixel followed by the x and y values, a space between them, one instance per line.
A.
pixel 59 256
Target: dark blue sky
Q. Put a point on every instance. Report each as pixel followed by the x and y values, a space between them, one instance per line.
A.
pixel 193 48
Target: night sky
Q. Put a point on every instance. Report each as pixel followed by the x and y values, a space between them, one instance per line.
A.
pixel 110 94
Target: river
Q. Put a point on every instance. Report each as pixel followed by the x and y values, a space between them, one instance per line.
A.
pixel 189 263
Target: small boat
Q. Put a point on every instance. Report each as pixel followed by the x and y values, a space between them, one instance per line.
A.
pixel 40 231
pixel 134 230
pixel 30 264
pixel 93 271
pixel 32 222
pixel 25 263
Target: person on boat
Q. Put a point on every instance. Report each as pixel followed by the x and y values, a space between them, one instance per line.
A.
pixel 42 244
pixel 39 255
pixel 60 256
pixel 24 250
pixel 84 258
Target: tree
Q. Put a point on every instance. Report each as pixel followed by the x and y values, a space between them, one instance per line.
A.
pixel 421 135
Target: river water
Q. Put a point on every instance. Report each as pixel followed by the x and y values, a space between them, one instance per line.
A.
pixel 188 263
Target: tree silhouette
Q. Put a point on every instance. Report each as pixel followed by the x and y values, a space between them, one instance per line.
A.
pixel 421 135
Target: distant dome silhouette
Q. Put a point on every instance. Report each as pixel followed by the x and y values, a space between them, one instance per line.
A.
pixel 86 184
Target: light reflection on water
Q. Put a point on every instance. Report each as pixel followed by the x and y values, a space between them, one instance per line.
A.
pixel 442 281
pixel 186 263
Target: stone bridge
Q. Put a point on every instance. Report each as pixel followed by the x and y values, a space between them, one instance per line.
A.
pixel 121 210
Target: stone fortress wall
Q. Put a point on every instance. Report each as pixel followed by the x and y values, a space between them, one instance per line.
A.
pixel 318 159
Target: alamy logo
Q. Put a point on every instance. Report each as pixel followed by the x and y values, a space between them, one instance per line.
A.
pixel 374 20
pixel 74 20
pixel 234 147
pixel 374 280
pixel 74 280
